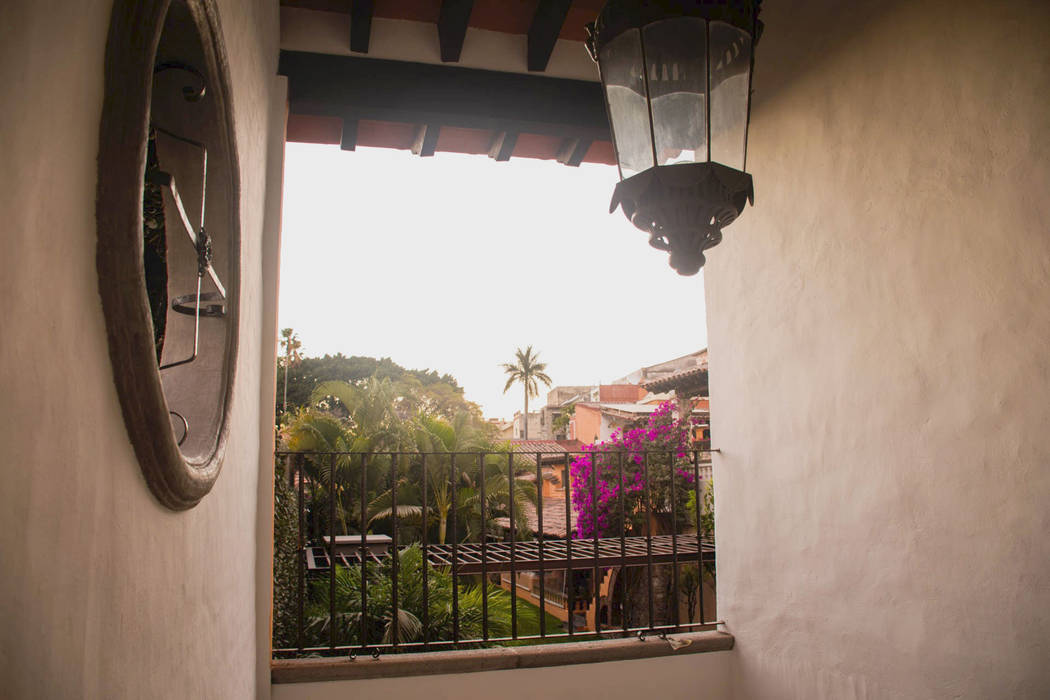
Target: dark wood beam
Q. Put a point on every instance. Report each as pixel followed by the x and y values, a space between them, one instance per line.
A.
pixel 415 93
pixel 544 31
pixel 503 146
pixel 452 28
pixel 348 140
pixel 572 151
pixel 361 24
pixel 425 143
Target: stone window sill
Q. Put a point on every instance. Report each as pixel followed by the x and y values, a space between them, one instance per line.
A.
pixel 472 660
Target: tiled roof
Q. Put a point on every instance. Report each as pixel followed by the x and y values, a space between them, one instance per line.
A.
pixel 550 451
pixel 693 378
pixel 553 517
pixel 534 446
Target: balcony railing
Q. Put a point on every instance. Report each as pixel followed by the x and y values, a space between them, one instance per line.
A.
pixel 428 548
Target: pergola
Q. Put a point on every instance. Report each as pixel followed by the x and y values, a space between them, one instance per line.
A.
pixel 496 557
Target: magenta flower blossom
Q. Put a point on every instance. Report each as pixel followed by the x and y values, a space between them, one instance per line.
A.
pixel 609 478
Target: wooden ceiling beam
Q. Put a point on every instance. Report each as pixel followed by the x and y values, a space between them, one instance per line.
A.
pixel 503 146
pixel 361 12
pixel 452 28
pixel 348 139
pixel 425 143
pixel 544 31
pixel 572 151
pixel 417 93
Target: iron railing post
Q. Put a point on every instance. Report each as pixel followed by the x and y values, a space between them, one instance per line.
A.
pixel 623 545
pixel 394 560
pixel 426 558
pixel 673 467
pixel 455 555
pixel 301 555
pixel 513 536
pixel 569 582
pixel 331 552
pixel 595 581
pixel 699 532
pixel 539 537
pixel 648 538
pixel 363 527
pixel 484 554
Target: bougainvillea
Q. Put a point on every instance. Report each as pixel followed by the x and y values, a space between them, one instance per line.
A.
pixel 597 485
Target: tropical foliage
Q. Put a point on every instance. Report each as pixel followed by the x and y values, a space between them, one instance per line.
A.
pixel 434 392
pixel 375 427
pixel 526 370
pixel 380 612
pixel 285 561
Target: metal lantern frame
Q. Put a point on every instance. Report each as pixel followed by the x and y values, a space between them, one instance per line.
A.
pixel 683 206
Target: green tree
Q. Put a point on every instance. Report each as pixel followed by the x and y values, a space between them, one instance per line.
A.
pixel 285 560
pixel 369 424
pixel 291 345
pixel 305 376
pixel 526 369
pixel 437 436
pixel 371 414
pixel 463 439
pixel 560 424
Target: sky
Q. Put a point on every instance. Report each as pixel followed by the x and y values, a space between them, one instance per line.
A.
pixel 453 262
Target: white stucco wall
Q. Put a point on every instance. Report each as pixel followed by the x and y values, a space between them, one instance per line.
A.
pixel 879 329
pixel 696 676
pixel 104 593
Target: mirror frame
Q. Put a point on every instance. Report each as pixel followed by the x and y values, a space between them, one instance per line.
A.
pixel 134 36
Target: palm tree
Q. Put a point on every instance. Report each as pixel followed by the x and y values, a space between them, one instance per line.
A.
pixel 373 419
pixel 291 344
pixel 371 425
pixel 434 435
pixel 526 369
pixel 463 440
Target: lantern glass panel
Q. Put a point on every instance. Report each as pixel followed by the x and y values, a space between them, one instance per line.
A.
pixel 676 62
pixel 730 73
pixel 621 65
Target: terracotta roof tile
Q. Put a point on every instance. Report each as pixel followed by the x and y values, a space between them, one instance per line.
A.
pixel 553 517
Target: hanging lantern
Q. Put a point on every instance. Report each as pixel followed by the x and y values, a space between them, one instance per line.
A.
pixel 676 75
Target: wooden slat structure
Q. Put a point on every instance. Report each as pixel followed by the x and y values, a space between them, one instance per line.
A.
pixel 556 555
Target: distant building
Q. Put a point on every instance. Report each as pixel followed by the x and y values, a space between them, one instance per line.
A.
pixel 596 410
pixel 504 429
pixel 559 400
pixel 536 426
pixel 645 375
pixel 597 421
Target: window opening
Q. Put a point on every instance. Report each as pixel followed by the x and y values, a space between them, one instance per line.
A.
pixel 424 533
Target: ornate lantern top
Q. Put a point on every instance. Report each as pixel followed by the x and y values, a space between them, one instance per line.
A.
pixel 617 16
pixel 676 75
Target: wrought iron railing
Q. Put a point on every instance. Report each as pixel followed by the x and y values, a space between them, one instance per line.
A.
pixel 428 547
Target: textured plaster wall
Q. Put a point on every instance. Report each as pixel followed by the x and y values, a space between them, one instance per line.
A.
pixel 588 422
pixel 104 593
pixel 696 677
pixel 879 331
